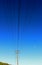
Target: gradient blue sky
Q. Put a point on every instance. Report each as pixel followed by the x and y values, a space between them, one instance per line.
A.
pixel 30 39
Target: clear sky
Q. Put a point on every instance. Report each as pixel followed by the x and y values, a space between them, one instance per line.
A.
pixel 30 33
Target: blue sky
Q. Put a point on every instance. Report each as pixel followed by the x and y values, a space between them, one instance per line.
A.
pixel 30 33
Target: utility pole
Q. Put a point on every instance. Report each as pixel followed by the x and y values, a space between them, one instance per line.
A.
pixel 17 57
pixel 17 51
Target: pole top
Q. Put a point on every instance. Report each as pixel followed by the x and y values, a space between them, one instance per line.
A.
pixel 17 51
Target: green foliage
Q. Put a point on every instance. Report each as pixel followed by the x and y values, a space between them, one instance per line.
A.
pixel 1 63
